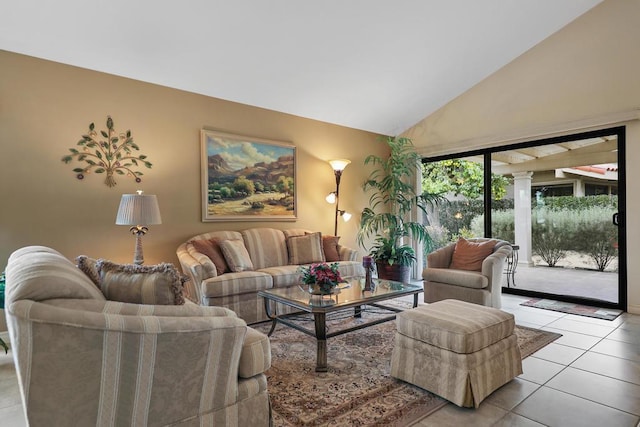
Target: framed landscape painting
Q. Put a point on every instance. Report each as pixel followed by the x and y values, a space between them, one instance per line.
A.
pixel 246 178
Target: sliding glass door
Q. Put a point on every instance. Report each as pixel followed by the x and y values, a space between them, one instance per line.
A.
pixel 558 201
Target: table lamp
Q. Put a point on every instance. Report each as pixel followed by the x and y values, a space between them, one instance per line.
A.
pixel 138 210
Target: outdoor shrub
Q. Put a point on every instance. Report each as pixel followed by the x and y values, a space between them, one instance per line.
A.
pixel 588 230
pixel 600 242
pixel 547 239
pixel 572 203
pixel 502 225
pixel 560 224
pixel 459 214
pixel 465 233
pixel 439 236
pixel 477 225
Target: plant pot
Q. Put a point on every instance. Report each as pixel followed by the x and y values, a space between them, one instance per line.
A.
pixel 398 273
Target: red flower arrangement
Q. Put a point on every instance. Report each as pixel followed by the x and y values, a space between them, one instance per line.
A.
pixel 326 276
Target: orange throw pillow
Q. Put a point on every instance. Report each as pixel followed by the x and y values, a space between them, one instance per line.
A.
pixel 211 248
pixel 330 247
pixel 469 255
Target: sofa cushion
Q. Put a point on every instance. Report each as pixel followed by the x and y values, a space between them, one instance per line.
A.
pixel 211 248
pixel 233 284
pixel 286 275
pixel 289 275
pixel 236 255
pixel 305 249
pixel 467 279
pixel 351 269
pixel 89 266
pixel 469 255
pixel 330 248
pixel 158 284
pixel 458 326
pixel 267 247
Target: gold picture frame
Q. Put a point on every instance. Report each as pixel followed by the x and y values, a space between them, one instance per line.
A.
pixel 246 178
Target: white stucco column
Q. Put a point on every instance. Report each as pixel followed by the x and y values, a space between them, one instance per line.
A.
pixel 522 215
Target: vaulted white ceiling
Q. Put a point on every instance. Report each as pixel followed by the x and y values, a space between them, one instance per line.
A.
pixel 376 65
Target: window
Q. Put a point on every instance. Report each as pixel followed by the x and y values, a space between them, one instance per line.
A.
pixel 552 190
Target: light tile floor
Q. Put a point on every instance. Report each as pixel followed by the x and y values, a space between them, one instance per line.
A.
pixel 588 377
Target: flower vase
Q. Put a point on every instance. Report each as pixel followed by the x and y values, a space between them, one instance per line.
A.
pixel 367 263
pixel 318 289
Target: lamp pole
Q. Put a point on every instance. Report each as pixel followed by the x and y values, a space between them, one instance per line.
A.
pixel 338 174
pixel 338 166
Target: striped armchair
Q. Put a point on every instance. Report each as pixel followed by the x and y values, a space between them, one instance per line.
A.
pixel 84 360
pixel 484 286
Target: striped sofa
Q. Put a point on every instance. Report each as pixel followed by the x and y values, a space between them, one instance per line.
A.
pixel 83 360
pixel 267 248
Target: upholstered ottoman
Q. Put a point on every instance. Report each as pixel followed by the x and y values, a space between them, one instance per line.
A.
pixel 457 350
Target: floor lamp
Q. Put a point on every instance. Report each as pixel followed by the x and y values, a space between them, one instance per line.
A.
pixel 338 166
pixel 138 210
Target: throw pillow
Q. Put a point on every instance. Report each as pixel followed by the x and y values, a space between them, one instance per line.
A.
pixel 236 255
pixel 305 249
pixel 158 284
pixel 330 247
pixel 211 248
pixel 469 255
pixel 89 267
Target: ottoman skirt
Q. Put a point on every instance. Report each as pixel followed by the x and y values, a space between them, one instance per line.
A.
pixel 457 350
pixel 464 379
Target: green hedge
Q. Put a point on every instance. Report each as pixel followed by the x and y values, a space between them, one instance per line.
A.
pixel 578 203
pixel 561 224
pixel 456 216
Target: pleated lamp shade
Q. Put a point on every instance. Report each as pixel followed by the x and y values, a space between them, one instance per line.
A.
pixel 138 209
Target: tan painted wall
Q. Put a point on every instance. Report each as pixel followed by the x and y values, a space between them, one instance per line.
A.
pixel 44 109
pixel 588 69
pixel 580 77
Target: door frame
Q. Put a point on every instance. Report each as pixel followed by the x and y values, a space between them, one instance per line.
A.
pixel 620 132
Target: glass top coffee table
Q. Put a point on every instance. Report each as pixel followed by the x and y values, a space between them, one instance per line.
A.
pixel 351 296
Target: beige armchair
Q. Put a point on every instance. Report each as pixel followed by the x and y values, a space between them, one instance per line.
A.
pixel 482 287
pixel 83 360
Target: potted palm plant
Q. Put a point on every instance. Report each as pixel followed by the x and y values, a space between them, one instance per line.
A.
pixel 388 217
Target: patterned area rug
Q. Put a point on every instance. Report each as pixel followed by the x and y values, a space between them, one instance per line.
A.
pixel 357 389
pixel 570 308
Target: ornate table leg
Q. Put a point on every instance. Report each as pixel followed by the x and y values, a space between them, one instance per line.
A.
pixel 321 338
pixel 512 264
pixel 274 319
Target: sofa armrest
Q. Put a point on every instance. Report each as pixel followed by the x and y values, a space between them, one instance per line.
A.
pixel 347 254
pixel 256 354
pixel 195 270
pixel 493 269
pixel 493 265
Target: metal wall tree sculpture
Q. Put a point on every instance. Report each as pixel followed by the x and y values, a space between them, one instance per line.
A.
pixel 111 155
